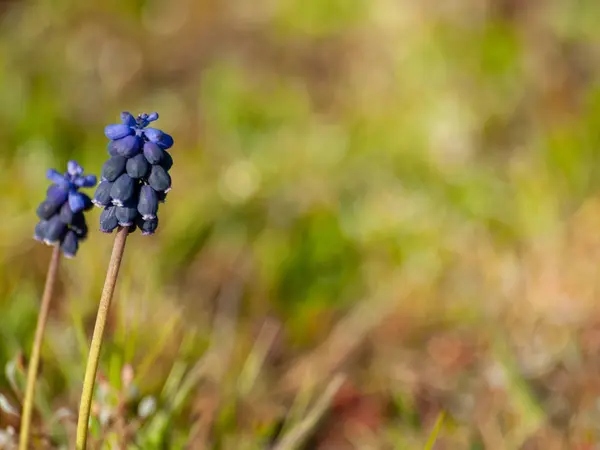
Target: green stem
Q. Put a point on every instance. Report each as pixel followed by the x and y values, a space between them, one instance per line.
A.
pixel 34 360
pixel 94 356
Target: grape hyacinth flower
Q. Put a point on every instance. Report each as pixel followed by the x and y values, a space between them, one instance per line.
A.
pixel 61 214
pixel 61 224
pixel 135 179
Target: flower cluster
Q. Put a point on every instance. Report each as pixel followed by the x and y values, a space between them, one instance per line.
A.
pixel 136 177
pixel 61 215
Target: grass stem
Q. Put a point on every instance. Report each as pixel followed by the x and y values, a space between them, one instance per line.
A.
pixel 96 344
pixel 34 360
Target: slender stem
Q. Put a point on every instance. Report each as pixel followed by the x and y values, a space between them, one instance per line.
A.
pixel 34 360
pixel 94 356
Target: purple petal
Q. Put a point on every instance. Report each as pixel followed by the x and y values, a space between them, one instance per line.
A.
pixel 126 215
pixel 54 230
pixel 108 219
pixel 153 134
pixel 79 226
pixel 87 202
pixel 102 194
pixel 112 151
pixel 76 201
pixel 153 153
pixel 47 209
pixel 117 131
pixel 57 178
pixel 166 141
pixel 66 214
pixel 39 233
pixel 148 227
pixel 122 190
pixel 88 181
pixel 167 161
pixel 128 146
pixel 73 168
pixel 127 119
pixel 70 244
pixel 147 203
pixel 152 117
pixel 57 194
pixel 159 179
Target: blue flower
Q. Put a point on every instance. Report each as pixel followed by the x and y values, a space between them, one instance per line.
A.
pixel 113 168
pixel 108 219
pixel 130 128
pixel 70 182
pixel 126 215
pixel 159 179
pixel 123 190
pixel 148 203
pixel 70 244
pixel 102 196
pixel 61 213
pixel 148 227
pixel 135 179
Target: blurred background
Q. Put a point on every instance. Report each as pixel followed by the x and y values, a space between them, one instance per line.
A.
pixel 384 229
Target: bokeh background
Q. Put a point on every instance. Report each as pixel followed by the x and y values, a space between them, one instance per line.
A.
pixel 384 229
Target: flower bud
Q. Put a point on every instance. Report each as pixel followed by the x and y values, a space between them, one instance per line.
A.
pixel 122 190
pixel 159 179
pixel 126 215
pixel 113 168
pixel 102 195
pixel 39 233
pixel 153 153
pixel 117 131
pixel 148 203
pixel 126 147
pixel 137 167
pixel 70 244
pixel 66 213
pixel 55 230
pixel 148 227
pixel 47 209
pixel 108 219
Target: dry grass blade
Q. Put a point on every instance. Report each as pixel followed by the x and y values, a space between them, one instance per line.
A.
pixel 224 327
pixel 256 359
pixel 216 360
pixel 300 432
pixel 435 432
pixel 348 334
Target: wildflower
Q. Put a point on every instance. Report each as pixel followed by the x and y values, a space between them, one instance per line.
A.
pixel 148 227
pixel 138 166
pixel 159 179
pixel 148 202
pixel 122 190
pixel 61 213
pixel 113 168
pixel 153 153
pixel 135 179
pixel 70 243
pixel 126 215
pixel 102 196
pixel 108 219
